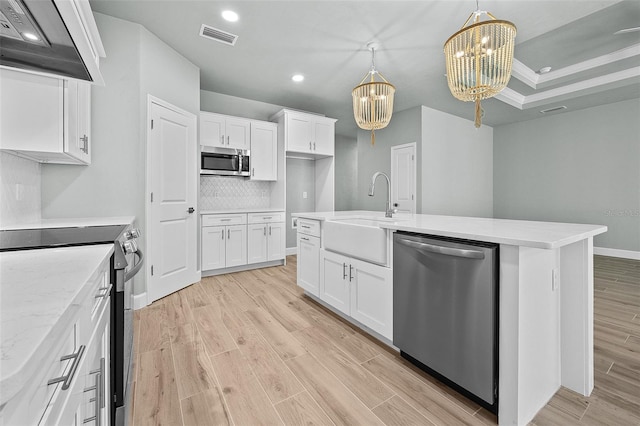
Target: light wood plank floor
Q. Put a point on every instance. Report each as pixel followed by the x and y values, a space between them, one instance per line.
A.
pixel 249 349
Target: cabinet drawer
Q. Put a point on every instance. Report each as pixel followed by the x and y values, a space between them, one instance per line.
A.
pixel 227 219
pixel 266 217
pixel 309 227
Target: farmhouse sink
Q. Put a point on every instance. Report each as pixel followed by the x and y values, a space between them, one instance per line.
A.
pixel 361 238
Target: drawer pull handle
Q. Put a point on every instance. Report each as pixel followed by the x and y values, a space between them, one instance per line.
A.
pixel 225 220
pixel 69 377
pixel 305 226
pixel 267 217
pixel 304 238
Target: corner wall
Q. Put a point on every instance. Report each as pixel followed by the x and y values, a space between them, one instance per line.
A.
pixel 137 63
pixel 581 166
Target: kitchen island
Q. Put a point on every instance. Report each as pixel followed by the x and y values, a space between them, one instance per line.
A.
pixel 545 306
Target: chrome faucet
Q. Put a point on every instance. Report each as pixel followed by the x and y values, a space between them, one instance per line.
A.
pixel 372 188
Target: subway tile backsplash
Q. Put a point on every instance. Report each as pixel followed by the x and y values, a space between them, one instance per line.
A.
pixel 229 193
pixel 20 190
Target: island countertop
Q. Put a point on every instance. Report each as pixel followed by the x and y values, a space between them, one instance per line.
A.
pixel 545 235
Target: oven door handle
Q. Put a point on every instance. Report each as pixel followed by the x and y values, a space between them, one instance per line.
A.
pixel 137 266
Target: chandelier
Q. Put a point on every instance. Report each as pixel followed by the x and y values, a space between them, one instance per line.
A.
pixel 479 58
pixel 373 100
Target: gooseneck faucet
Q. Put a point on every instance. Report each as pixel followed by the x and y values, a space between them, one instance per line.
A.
pixel 372 188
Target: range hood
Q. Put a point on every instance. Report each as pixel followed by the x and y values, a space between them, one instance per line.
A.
pixel 50 36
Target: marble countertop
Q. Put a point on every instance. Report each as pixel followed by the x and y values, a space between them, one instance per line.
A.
pixel 546 235
pixel 40 293
pixel 73 222
pixel 268 209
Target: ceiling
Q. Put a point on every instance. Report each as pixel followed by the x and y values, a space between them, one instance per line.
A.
pixel 326 42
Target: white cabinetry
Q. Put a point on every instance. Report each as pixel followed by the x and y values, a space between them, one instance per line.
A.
pixel 77 386
pixel 266 237
pixel 308 255
pixel 264 150
pixel 359 289
pixel 308 133
pixel 224 131
pixel 61 109
pixel 224 241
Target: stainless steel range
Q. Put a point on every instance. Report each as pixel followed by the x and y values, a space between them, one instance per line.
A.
pixel 126 261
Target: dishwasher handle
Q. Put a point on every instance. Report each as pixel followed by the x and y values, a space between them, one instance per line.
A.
pixel 447 251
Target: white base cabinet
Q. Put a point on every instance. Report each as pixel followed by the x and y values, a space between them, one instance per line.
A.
pixel 266 237
pixel 224 246
pixel 309 263
pixel 359 289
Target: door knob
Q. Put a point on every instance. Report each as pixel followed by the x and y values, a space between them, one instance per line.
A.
pixel 191 210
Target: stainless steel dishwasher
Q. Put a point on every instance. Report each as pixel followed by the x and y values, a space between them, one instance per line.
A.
pixel 445 316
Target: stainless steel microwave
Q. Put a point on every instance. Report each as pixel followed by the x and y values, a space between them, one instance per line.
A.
pixel 224 161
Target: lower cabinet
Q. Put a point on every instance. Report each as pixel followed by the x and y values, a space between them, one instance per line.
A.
pixel 308 256
pixel 359 289
pixel 224 246
pixel 238 239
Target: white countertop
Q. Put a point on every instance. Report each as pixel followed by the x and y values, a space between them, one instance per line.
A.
pixel 268 209
pixel 73 222
pixel 39 293
pixel 546 235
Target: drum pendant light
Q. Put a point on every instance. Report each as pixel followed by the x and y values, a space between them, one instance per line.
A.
pixel 479 59
pixel 373 100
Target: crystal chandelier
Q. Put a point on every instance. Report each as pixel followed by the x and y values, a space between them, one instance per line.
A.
pixel 373 100
pixel 479 58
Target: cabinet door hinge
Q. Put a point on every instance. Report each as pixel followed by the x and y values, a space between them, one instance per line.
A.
pixel 151 269
pixel 413 157
pixel 151 124
pixel 411 197
pixel 152 197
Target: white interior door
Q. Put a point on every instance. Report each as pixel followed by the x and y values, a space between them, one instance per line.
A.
pixel 172 238
pixel 403 177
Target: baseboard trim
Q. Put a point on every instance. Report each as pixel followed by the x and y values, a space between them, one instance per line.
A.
pixel 240 268
pixel 139 301
pixel 625 254
pixel 291 251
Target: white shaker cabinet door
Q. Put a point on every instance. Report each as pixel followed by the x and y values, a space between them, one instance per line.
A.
pixel 335 280
pixel 257 243
pixel 324 136
pixel 308 256
pixel 372 296
pixel 238 133
pixel 236 247
pixel 276 241
pixel 212 130
pixel 77 120
pixel 264 151
pixel 213 247
pixel 299 137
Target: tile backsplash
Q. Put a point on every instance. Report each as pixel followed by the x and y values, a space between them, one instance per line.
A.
pixel 20 190
pixel 228 193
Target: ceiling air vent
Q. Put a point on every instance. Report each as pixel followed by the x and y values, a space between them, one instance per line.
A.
pixel 558 108
pixel 218 35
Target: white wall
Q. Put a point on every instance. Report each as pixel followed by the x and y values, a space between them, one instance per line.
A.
pixel 20 190
pixel 581 166
pixel 457 166
pixel 137 63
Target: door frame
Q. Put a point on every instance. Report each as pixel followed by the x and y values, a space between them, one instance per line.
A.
pixel 149 238
pixel 394 172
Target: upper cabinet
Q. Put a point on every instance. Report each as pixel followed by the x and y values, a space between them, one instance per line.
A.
pixel 224 131
pixel 309 134
pixel 264 150
pixel 61 109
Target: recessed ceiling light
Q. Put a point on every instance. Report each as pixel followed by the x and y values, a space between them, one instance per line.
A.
pixel 297 78
pixel 230 15
pixel 31 36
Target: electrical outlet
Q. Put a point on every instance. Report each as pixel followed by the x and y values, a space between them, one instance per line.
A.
pixel 294 223
pixel 304 195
